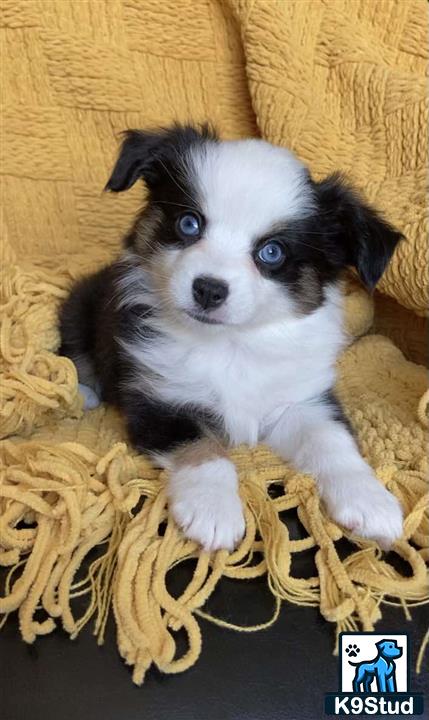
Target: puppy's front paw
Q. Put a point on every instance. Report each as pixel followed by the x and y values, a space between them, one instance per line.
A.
pixel 90 397
pixel 368 510
pixel 205 503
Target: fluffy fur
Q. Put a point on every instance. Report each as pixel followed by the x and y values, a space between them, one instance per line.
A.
pixel 221 321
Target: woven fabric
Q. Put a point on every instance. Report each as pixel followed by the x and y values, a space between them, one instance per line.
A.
pixel 343 83
pixel 339 82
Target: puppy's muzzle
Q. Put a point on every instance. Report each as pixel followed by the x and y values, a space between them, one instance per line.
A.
pixel 208 292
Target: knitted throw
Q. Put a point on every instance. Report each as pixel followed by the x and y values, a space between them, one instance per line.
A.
pixel 341 83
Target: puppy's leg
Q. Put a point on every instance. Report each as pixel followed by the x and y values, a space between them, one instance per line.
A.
pixel 79 319
pixel 203 495
pixel 90 398
pixel 317 443
pixel 202 484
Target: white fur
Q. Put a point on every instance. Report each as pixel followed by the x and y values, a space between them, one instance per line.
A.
pixel 262 381
pixel 245 375
pixel 245 189
pixel 261 370
pixel 354 497
pixel 205 503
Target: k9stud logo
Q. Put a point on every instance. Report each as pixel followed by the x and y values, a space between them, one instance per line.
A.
pixel 374 677
pixel 374 663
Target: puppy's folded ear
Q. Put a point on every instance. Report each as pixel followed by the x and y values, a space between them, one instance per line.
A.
pixel 135 159
pixel 148 154
pixel 365 238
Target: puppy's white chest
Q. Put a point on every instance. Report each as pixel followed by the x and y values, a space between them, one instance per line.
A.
pixel 247 381
pixel 234 382
pixel 249 390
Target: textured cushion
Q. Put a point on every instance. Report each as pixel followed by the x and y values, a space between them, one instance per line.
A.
pixel 342 83
pixel 339 82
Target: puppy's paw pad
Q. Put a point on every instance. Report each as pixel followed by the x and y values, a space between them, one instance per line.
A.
pixel 90 397
pixel 369 511
pixel 207 509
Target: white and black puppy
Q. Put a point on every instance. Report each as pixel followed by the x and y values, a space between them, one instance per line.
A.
pixel 222 320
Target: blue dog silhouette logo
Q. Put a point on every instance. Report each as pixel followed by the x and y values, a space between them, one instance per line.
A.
pixel 382 668
pixel 374 676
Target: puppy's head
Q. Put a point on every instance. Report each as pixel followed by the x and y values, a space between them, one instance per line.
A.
pixel 238 232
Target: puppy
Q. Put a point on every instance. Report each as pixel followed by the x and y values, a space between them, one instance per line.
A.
pixel 221 322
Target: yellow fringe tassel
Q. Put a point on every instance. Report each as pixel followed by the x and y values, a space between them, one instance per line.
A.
pixel 75 496
pixel 90 508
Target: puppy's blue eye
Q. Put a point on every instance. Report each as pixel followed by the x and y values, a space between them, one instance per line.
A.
pixel 271 254
pixel 189 225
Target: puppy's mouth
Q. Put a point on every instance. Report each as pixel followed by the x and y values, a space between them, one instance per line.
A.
pixel 203 318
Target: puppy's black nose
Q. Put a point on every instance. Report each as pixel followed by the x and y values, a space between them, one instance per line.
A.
pixel 209 292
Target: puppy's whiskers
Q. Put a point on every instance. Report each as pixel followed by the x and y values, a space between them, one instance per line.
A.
pixel 180 187
pixel 176 204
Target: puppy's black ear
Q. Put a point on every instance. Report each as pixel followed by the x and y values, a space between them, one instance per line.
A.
pixel 368 241
pixel 148 154
pixel 135 159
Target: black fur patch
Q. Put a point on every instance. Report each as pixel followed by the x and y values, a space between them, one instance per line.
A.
pixel 91 325
pixel 363 238
pixel 329 399
pixel 341 232
pixel 312 261
pixel 151 155
pixel 158 158
pixel 158 427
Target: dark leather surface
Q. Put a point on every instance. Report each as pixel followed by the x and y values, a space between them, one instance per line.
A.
pixel 278 674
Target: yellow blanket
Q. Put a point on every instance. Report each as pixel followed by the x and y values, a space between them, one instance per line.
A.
pixel 342 83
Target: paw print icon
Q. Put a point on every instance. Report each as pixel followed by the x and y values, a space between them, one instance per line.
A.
pixel 352 650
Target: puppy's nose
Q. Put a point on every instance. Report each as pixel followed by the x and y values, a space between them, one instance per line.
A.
pixel 209 292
